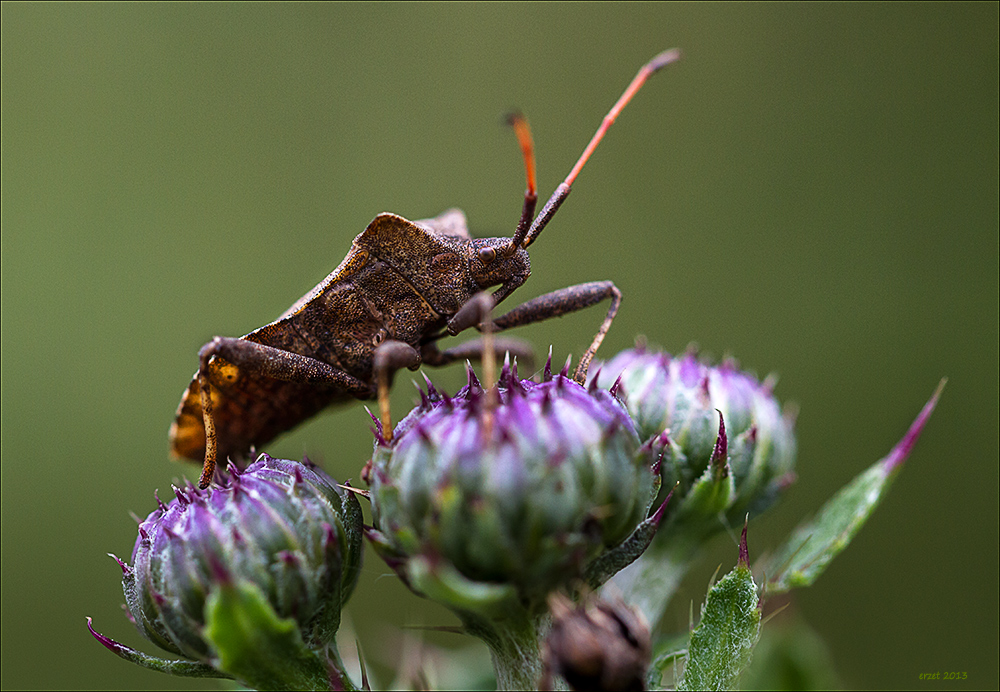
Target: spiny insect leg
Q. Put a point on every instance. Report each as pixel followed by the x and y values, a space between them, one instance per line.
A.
pixel 561 302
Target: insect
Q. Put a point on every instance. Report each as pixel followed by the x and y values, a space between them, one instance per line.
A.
pixel 403 286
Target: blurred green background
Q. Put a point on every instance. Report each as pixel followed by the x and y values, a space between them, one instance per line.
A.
pixel 813 189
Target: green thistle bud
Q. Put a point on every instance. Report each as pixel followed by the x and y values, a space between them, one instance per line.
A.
pixel 489 501
pixel 721 440
pixel 230 575
pixel 699 416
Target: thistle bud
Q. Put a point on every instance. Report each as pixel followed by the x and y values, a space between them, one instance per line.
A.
pixel 489 500
pixel 526 493
pixel 696 416
pixel 277 552
pixel 720 440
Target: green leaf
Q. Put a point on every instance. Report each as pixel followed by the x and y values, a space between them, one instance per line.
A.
pixel 812 546
pixel 261 650
pixel 668 657
pixel 722 642
pixel 625 553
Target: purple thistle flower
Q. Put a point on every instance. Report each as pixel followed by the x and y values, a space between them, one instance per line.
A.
pixel 281 526
pixel 526 491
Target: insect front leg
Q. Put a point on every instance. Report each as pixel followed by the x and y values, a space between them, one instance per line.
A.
pixel 266 361
pixel 566 300
pixel 391 356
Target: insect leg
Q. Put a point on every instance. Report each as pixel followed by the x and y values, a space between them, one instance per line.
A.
pixel 390 356
pixel 565 300
pixel 474 350
pixel 211 441
pixel 261 360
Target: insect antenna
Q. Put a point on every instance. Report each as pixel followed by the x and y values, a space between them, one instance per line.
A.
pixel 517 121
pixel 559 196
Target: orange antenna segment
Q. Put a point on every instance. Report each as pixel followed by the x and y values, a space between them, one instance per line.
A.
pixel 517 121
pixel 657 63
pixel 523 134
pixel 559 196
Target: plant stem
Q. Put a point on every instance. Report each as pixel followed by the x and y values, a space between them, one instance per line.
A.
pixel 514 647
pixel 649 583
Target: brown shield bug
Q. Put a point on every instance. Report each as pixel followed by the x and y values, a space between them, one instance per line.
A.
pixel 403 286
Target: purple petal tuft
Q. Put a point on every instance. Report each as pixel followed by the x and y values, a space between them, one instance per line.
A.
pixel 474 396
pixel 689 370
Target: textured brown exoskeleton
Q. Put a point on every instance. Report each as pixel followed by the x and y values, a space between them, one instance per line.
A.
pixel 403 286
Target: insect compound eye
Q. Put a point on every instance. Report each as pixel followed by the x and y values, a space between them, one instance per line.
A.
pixel 487 255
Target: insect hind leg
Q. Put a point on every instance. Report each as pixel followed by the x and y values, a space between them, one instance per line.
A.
pixel 266 361
pixel 476 349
